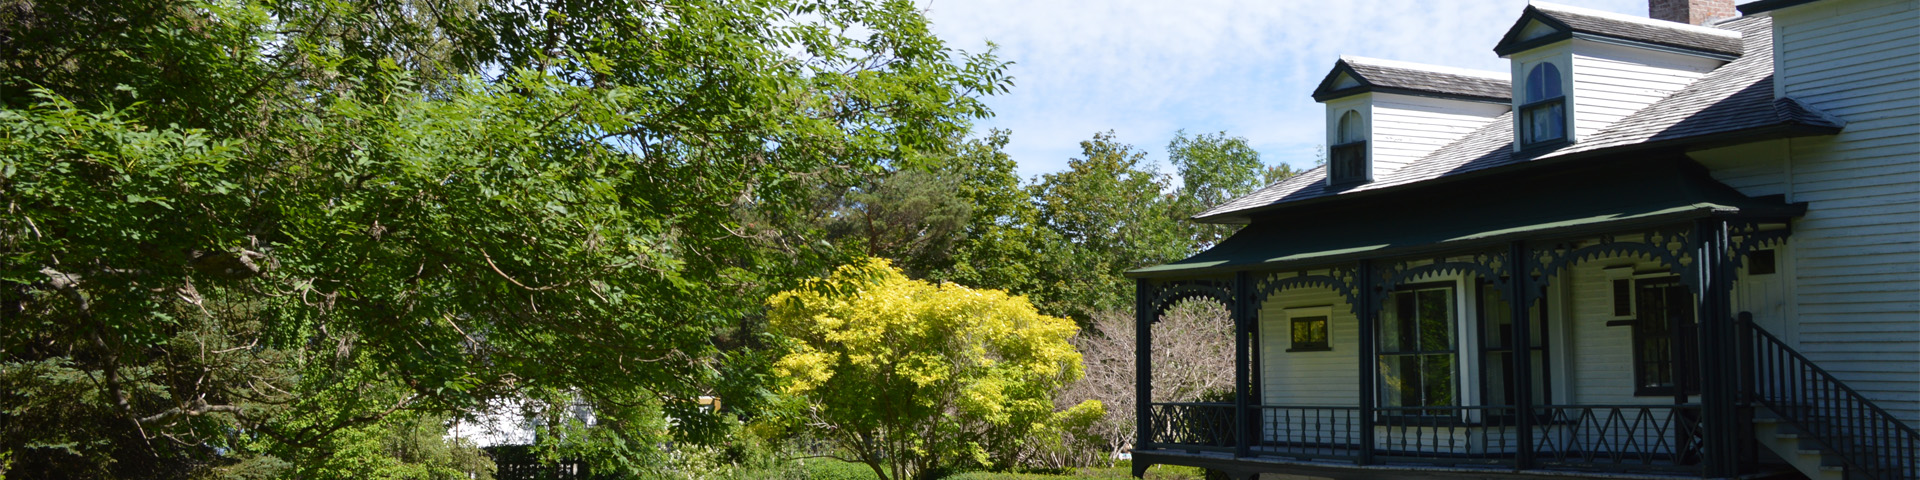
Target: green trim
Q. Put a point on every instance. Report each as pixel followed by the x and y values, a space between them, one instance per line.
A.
pixel 1510 43
pixel 1662 147
pixel 1770 5
pixel 1325 91
pixel 1600 198
pixel 1506 49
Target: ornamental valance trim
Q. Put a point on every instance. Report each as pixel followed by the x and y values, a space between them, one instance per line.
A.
pixel 1490 210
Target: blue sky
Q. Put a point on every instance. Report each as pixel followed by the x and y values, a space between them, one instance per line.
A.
pixel 1146 69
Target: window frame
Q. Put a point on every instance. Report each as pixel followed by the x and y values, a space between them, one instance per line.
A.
pixel 1531 107
pixel 1352 148
pixel 1384 389
pixel 1680 357
pixel 1542 326
pixel 1324 314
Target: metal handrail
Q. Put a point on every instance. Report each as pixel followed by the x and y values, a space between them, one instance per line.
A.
pixel 1624 437
pixel 1870 441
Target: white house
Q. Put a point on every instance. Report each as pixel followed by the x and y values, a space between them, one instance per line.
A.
pixel 1686 246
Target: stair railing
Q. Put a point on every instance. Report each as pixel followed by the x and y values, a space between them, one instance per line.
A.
pixel 1871 442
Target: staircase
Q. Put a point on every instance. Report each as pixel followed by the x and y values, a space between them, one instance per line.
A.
pixel 1815 422
pixel 1803 454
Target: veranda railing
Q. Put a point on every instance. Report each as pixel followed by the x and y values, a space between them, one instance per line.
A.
pixel 1650 438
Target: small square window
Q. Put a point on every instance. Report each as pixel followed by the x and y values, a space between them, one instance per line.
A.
pixel 1310 334
pixel 1762 262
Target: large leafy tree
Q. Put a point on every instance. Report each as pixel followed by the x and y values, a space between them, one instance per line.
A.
pixel 1110 211
pixel 1113 210
pixel 1213 169
pixel 237 233
pixel 910 376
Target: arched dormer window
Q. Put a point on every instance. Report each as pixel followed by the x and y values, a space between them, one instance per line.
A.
pixel 1348 157
pixel 1543 110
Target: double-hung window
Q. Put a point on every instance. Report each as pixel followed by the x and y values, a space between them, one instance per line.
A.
pixel 1543 111
pixel 1663 338
pixel 1417 350
pixel 1499 380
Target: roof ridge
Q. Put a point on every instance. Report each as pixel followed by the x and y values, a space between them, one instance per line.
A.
pixel 1555 7
pixel 1427 67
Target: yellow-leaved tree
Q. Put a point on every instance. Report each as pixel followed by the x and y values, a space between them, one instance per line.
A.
pixel 910 377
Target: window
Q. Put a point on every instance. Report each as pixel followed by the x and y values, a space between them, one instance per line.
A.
pixel 1347 160
pixel 1497 348
pixel 1309 329
pixel 1663 333
pixel 1543 116
pixel 1762 262
pixel 1621 279
pixel 1417 349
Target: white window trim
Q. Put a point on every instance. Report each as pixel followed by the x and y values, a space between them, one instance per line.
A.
pixel 1560 54
pixel 1325 311
pixel 1361 104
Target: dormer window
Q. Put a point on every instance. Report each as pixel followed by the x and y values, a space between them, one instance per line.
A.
pixel 1543 111
pixel 1348 158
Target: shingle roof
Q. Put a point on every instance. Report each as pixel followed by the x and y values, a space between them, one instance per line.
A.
pixel 1737 97
pixel 1389 75
pixel 1625 27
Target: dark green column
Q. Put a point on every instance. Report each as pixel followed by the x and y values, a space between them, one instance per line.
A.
pixel 1719 414
pixel 1519 295
pixel 1242 310
pixel 1143 317
pixel 1366 310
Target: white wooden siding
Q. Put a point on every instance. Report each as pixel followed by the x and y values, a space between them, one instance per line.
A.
pixel 1755 169
pixel 1611 81
pixel 1601 357
pixel 1856 254
pixel 1407 128
pixel 1329 378
pixel 1363 104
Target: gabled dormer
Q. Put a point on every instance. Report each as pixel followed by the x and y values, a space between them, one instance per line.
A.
pixel 1577 71
pixel 1384 114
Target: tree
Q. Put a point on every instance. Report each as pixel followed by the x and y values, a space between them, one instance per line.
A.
pixel 1192 361
pixel 1114 211
pixel 909 376
pixel 1106 214
pixel 1213 169
pixel 237 232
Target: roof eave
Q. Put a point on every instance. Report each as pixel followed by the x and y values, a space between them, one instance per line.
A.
pixel 1507 49
pixel 1791 211
pixel 1368 88
pixel 1713 140
pixel 1754 8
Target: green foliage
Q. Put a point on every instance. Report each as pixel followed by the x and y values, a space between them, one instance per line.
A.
pixel 831 469
pixel 1214 169
pixel 271 238
pixel 909 377
pixel 1108 213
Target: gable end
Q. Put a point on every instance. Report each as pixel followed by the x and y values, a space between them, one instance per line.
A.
pixel 1343 81
pixel 1516 39
pixel 1649 34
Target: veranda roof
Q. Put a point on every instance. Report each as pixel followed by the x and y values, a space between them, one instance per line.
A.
pixel 1588 199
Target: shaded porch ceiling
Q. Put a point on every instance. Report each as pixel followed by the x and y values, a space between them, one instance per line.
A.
pixel 1585 198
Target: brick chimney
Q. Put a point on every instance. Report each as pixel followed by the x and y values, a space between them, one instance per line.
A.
pixel 1697 12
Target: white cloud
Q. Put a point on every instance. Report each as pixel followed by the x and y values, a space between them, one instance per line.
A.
pixel 1148 68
